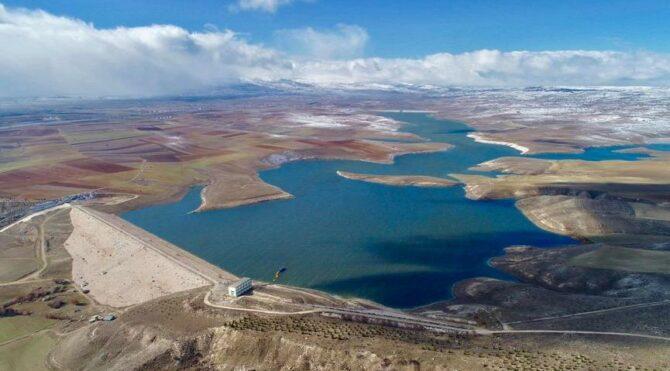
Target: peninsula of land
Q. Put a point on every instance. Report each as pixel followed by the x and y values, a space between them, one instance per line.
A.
pixel 400 180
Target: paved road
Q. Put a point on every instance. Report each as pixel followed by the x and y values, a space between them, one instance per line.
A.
pixel 27 218
pixel 376 314
pixel 400 319
pixel 568 332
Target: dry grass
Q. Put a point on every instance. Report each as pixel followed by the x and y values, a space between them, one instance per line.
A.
pixel 27 354
pixel 625 259
pixel 528 176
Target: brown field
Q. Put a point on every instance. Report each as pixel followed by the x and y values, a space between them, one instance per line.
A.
pixel 158 159
pixel 531 176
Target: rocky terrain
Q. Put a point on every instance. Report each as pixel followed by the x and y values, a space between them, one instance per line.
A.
pixel 615 281
pixel 560 119
pixel 555 288
pixel 582 198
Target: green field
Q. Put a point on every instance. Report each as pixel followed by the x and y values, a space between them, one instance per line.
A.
pixel 101 135
pixel 11 270
pixel 26 354
pixel 625 259
pixel 14 327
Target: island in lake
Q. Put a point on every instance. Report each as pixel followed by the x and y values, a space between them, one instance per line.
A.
pixel 400 180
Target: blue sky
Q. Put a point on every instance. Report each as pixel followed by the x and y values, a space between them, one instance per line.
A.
pixel 408 28
pixel 148 48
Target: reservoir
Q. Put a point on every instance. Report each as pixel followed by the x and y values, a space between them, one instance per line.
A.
pixel 399 246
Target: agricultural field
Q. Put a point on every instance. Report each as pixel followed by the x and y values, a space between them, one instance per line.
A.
pixel 12 328
pixel 157 157
pixel 19 252
pixel 28 353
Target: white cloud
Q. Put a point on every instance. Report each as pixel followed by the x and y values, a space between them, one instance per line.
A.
pixel 496 68
pixel 46 55
pixel 42 54
pixel 269 6
pixel 344 41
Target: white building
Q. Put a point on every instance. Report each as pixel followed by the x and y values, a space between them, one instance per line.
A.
pixel 240 287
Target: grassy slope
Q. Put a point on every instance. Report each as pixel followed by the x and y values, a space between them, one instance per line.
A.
pixel 14 327
pixel 26 354
pixel 625 259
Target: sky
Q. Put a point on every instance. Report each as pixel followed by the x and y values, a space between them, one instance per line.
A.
pixel 150 47
pixel 407 28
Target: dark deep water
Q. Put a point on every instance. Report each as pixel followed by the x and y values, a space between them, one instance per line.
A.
pixel 597 154
pixel 399 246
pixel 606 153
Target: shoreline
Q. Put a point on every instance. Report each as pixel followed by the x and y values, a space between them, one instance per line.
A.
pixel 478 138
pixel 282 194
pixel 405 111
pixel 390 159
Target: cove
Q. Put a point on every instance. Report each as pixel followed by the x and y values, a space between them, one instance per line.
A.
pixel 608 153
pixel 400 246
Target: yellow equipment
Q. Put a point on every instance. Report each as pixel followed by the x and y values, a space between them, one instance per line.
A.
pixel 278 274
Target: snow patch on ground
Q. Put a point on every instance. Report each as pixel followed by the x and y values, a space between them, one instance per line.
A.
pixel 344 121
pixel 477 138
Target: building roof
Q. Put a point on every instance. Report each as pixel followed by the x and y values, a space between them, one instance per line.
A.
pixel 240 283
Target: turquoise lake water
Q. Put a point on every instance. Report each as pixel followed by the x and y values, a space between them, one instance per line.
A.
pixel 596 154
pixel 606 153
pixel 399 246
